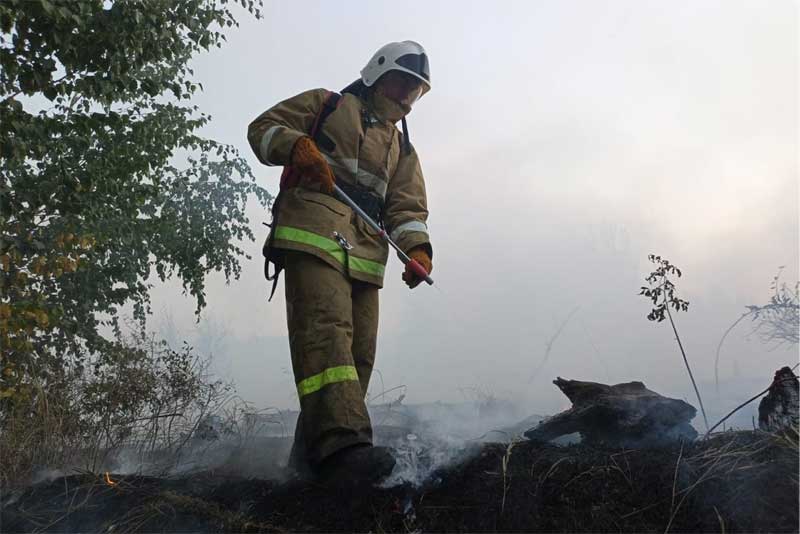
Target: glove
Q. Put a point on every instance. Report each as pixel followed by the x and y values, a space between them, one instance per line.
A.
pixel 314 170
pixel 421 256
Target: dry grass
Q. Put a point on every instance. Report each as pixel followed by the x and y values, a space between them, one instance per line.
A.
pixel 735 464
pixel 144 398
pixel 733 482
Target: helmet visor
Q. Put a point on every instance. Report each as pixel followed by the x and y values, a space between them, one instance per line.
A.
pixel 416 63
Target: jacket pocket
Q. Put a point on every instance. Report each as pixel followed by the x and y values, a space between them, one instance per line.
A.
pixel 366 229
pixel 327 201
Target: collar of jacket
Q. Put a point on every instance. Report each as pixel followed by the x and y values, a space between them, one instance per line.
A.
pixel 385 108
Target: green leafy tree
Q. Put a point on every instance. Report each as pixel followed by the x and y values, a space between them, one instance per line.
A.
pixel 104 174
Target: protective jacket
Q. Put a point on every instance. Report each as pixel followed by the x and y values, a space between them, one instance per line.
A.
pixel 365 150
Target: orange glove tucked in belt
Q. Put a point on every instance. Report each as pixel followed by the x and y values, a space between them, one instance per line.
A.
pixel 422 257
pixel 313 168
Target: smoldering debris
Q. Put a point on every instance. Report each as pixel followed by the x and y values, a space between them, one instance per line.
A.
pixel 622 415
pixel 734 482
pixel 458 468
pixel 420 459
pixel 426 438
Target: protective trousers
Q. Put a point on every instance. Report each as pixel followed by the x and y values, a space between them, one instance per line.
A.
pixel 333 328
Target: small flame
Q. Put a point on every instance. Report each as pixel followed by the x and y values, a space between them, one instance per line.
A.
pixel 109 481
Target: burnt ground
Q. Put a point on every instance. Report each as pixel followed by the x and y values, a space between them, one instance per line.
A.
pixel 735 482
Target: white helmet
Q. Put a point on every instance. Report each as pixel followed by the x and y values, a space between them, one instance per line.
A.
pixel 405 56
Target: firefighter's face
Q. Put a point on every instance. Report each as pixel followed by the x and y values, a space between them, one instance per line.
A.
pixel 400 86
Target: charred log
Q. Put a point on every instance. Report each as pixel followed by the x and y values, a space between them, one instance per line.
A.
pixel 779 409
pixel 625 414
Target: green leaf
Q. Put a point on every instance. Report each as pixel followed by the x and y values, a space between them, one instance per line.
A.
pixel 50 93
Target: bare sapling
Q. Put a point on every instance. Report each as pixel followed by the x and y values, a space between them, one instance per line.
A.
pixel 662 292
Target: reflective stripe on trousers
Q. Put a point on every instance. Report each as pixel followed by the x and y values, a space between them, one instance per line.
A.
pixel 330 375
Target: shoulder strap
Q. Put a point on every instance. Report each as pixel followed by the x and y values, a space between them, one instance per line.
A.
pixel 328 107
pixel 406 141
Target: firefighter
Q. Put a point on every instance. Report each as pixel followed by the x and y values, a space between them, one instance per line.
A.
pixel 333 261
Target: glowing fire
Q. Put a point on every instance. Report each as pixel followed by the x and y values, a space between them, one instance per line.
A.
pixel 109 481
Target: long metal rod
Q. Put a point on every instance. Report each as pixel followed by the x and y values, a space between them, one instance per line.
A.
pixel 375 226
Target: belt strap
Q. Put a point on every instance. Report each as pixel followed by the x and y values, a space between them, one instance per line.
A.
pixel 366 200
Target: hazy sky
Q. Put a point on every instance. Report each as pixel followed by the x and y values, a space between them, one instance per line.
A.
pixel 562 142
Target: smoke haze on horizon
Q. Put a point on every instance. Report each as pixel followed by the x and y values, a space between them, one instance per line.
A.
pixel 562 143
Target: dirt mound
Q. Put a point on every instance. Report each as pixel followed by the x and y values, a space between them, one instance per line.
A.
pixel 736 482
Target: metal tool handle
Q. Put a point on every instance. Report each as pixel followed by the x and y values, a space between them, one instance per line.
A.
pixel 413 265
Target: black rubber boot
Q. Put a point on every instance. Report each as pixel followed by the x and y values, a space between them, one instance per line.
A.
pixel 356 465
pixel 298 462
pixel 299 466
